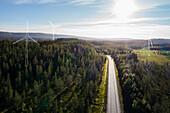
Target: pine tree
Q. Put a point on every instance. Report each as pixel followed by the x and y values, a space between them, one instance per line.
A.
pixel 49 70
pixel 26 85
pixel 30 110
pixel 35 61
pixel 61 110
pixel 10 94
pixel 48 85
pixel 8 81
pixel 19 80
pixel 17 100
pixel 55 107
pixel 36 88
pixel 26 74
pixel 75 102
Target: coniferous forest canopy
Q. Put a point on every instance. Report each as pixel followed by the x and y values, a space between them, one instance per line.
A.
pixel 59 78
pixel 65 75
pixel 145 84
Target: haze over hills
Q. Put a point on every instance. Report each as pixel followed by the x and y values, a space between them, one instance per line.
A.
pixel 46 36
pixel 37 36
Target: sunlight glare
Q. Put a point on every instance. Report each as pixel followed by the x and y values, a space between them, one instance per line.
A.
pixel 124 9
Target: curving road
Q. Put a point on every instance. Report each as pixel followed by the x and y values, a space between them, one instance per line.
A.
pixel 113 104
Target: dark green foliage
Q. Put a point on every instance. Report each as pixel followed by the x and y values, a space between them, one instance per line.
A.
pixel 145 86
pixel 62 76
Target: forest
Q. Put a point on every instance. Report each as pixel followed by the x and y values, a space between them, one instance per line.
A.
pixel 66 76
pixel 144 84
pixel 62 76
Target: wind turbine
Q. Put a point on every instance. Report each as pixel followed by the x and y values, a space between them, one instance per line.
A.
pixel 149 43
pixel 53 26
pixel 26 37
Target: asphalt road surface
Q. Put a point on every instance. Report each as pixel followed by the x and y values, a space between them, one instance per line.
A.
pixel 113 104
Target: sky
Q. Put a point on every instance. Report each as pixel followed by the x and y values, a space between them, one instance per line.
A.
pixel 138 19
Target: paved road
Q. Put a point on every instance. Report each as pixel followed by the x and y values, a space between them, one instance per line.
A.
pixel 113 104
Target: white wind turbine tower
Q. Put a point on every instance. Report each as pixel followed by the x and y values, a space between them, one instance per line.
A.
pixel 26 37
pixel 150 43
pixel 53 31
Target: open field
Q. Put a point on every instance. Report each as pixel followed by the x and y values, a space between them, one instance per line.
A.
pixel 154 56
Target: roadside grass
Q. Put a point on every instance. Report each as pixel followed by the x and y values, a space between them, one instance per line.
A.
pixel 106 87
pixel 154 56
pixel 99 104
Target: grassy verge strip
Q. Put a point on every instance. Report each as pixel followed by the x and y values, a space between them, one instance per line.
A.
pixel 99 104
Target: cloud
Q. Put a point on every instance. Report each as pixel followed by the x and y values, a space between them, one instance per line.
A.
pixel 75 2
pixel 23 1
pixel 115 22
pixel 100 29
pixel 110 27
pixel 82 2
pixel 47 1
pixel 136 31
pixel 37 1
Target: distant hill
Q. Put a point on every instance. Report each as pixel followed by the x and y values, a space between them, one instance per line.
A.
pixel 161 41
pixel 45 36
pixel 37 36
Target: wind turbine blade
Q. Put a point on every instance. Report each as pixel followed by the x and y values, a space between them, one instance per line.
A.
pixel 151 38
pixel 151 42
pixel 27 26
pixel 33 40
pixel 51 23
pixel 19 40
pixel 53 34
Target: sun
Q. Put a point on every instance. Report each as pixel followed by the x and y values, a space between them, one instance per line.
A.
pixel 124 9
